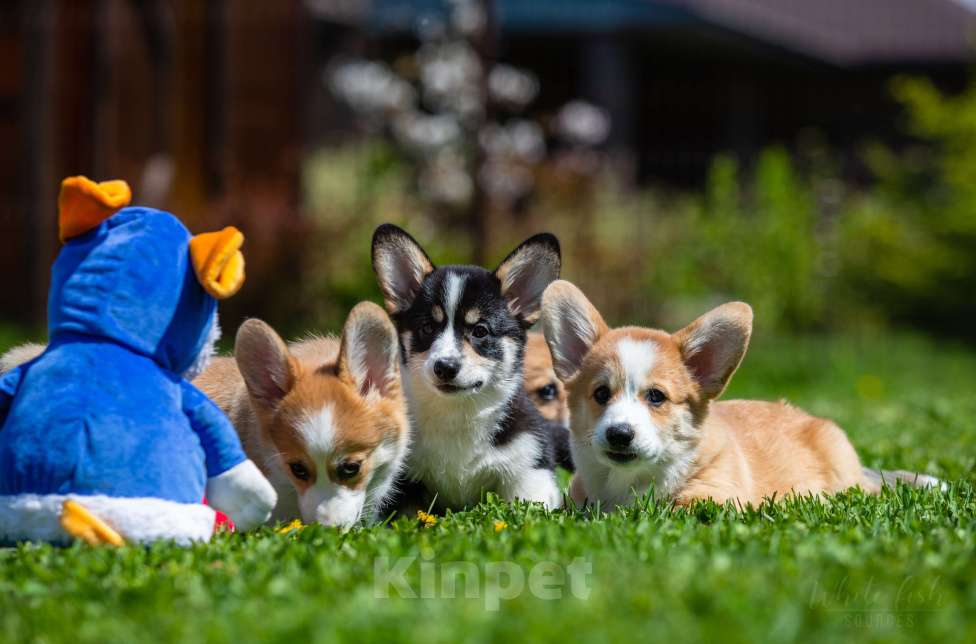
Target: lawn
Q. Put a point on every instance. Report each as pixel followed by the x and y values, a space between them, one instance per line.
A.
pixel 898 566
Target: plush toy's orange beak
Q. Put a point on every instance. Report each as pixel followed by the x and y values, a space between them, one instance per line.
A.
pixel 84 204
pixel 218 261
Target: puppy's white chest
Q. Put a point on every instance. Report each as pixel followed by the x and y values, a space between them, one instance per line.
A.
pixel 453 454
pixel 447 456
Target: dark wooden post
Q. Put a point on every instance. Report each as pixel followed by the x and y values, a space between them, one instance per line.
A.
pixel 39 203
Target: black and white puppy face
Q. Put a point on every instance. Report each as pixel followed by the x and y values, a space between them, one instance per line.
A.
pixel 462 328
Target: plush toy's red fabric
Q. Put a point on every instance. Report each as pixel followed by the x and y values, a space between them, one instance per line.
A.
pixel 222 521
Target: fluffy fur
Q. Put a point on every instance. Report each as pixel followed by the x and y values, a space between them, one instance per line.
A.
pixel 462 333
pixel 311 412
pixel 642 414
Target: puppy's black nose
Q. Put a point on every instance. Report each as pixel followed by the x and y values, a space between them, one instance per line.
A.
pixel 447 368
pixel 620 436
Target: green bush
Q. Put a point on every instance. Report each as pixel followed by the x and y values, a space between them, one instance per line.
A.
pixel 752 241
pixel 806 250
pixel 910 243
pixel 651 258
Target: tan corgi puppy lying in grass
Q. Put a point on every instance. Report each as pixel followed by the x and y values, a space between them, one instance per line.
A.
pixel 643 413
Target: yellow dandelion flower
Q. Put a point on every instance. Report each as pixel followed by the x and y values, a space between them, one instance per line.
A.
pixel 500 525
pixel 426 519
pixel 291 527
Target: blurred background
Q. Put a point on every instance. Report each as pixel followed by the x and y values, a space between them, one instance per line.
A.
pixel 816 158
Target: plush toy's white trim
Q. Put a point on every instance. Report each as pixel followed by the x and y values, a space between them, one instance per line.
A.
pixel 34 517
pixel 243 494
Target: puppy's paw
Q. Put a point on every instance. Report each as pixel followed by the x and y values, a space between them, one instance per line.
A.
pixel 577 492
pixel 555 500
pixel 243 494
pixel 539 486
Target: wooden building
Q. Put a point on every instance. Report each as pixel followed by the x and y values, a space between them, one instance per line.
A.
pixel 197 104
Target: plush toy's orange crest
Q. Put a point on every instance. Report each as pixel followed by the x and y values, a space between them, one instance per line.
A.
pixel 84 204
pixel 218 261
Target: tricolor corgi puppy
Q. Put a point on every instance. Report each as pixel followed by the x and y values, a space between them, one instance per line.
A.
pixel 462 337
pixel 323 418
pixel 545 389
pixel 642 414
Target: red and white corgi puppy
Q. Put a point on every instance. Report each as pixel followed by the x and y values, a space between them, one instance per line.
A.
pixel 324 418
pixel 642 414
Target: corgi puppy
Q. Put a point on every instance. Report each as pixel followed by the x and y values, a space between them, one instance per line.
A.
pixel 462 333
pixel 548 394
pixel 324 419
pixel 642 414
pixel 544 388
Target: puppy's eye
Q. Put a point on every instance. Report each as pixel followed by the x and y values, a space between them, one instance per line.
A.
pixel 347 469
pixel 548 392
pixel 427 328
pixel 656 397
pixel 480 331
pixel 601 395
pixel 299 471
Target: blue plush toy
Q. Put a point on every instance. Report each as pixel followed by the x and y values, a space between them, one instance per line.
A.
pixel 102 437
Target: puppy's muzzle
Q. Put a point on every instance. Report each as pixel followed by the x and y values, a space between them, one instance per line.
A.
pixel 447 369
pixel 619 438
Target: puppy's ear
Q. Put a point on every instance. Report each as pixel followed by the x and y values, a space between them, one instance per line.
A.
pixel 369 357
pixel 526 273
pixel 571 325
pixel 400 265
pixel 713 345
pixel 268 369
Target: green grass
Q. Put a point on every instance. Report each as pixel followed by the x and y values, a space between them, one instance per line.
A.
pixel 896 567
pixel 11 336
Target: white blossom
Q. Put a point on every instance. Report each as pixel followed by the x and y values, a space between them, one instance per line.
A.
pixel 527 140
pixel 513 87
pixel 445 179
pixel 426 133
pixel 370 87
pixel 582 123
pixel 521 139
pixel 449 75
